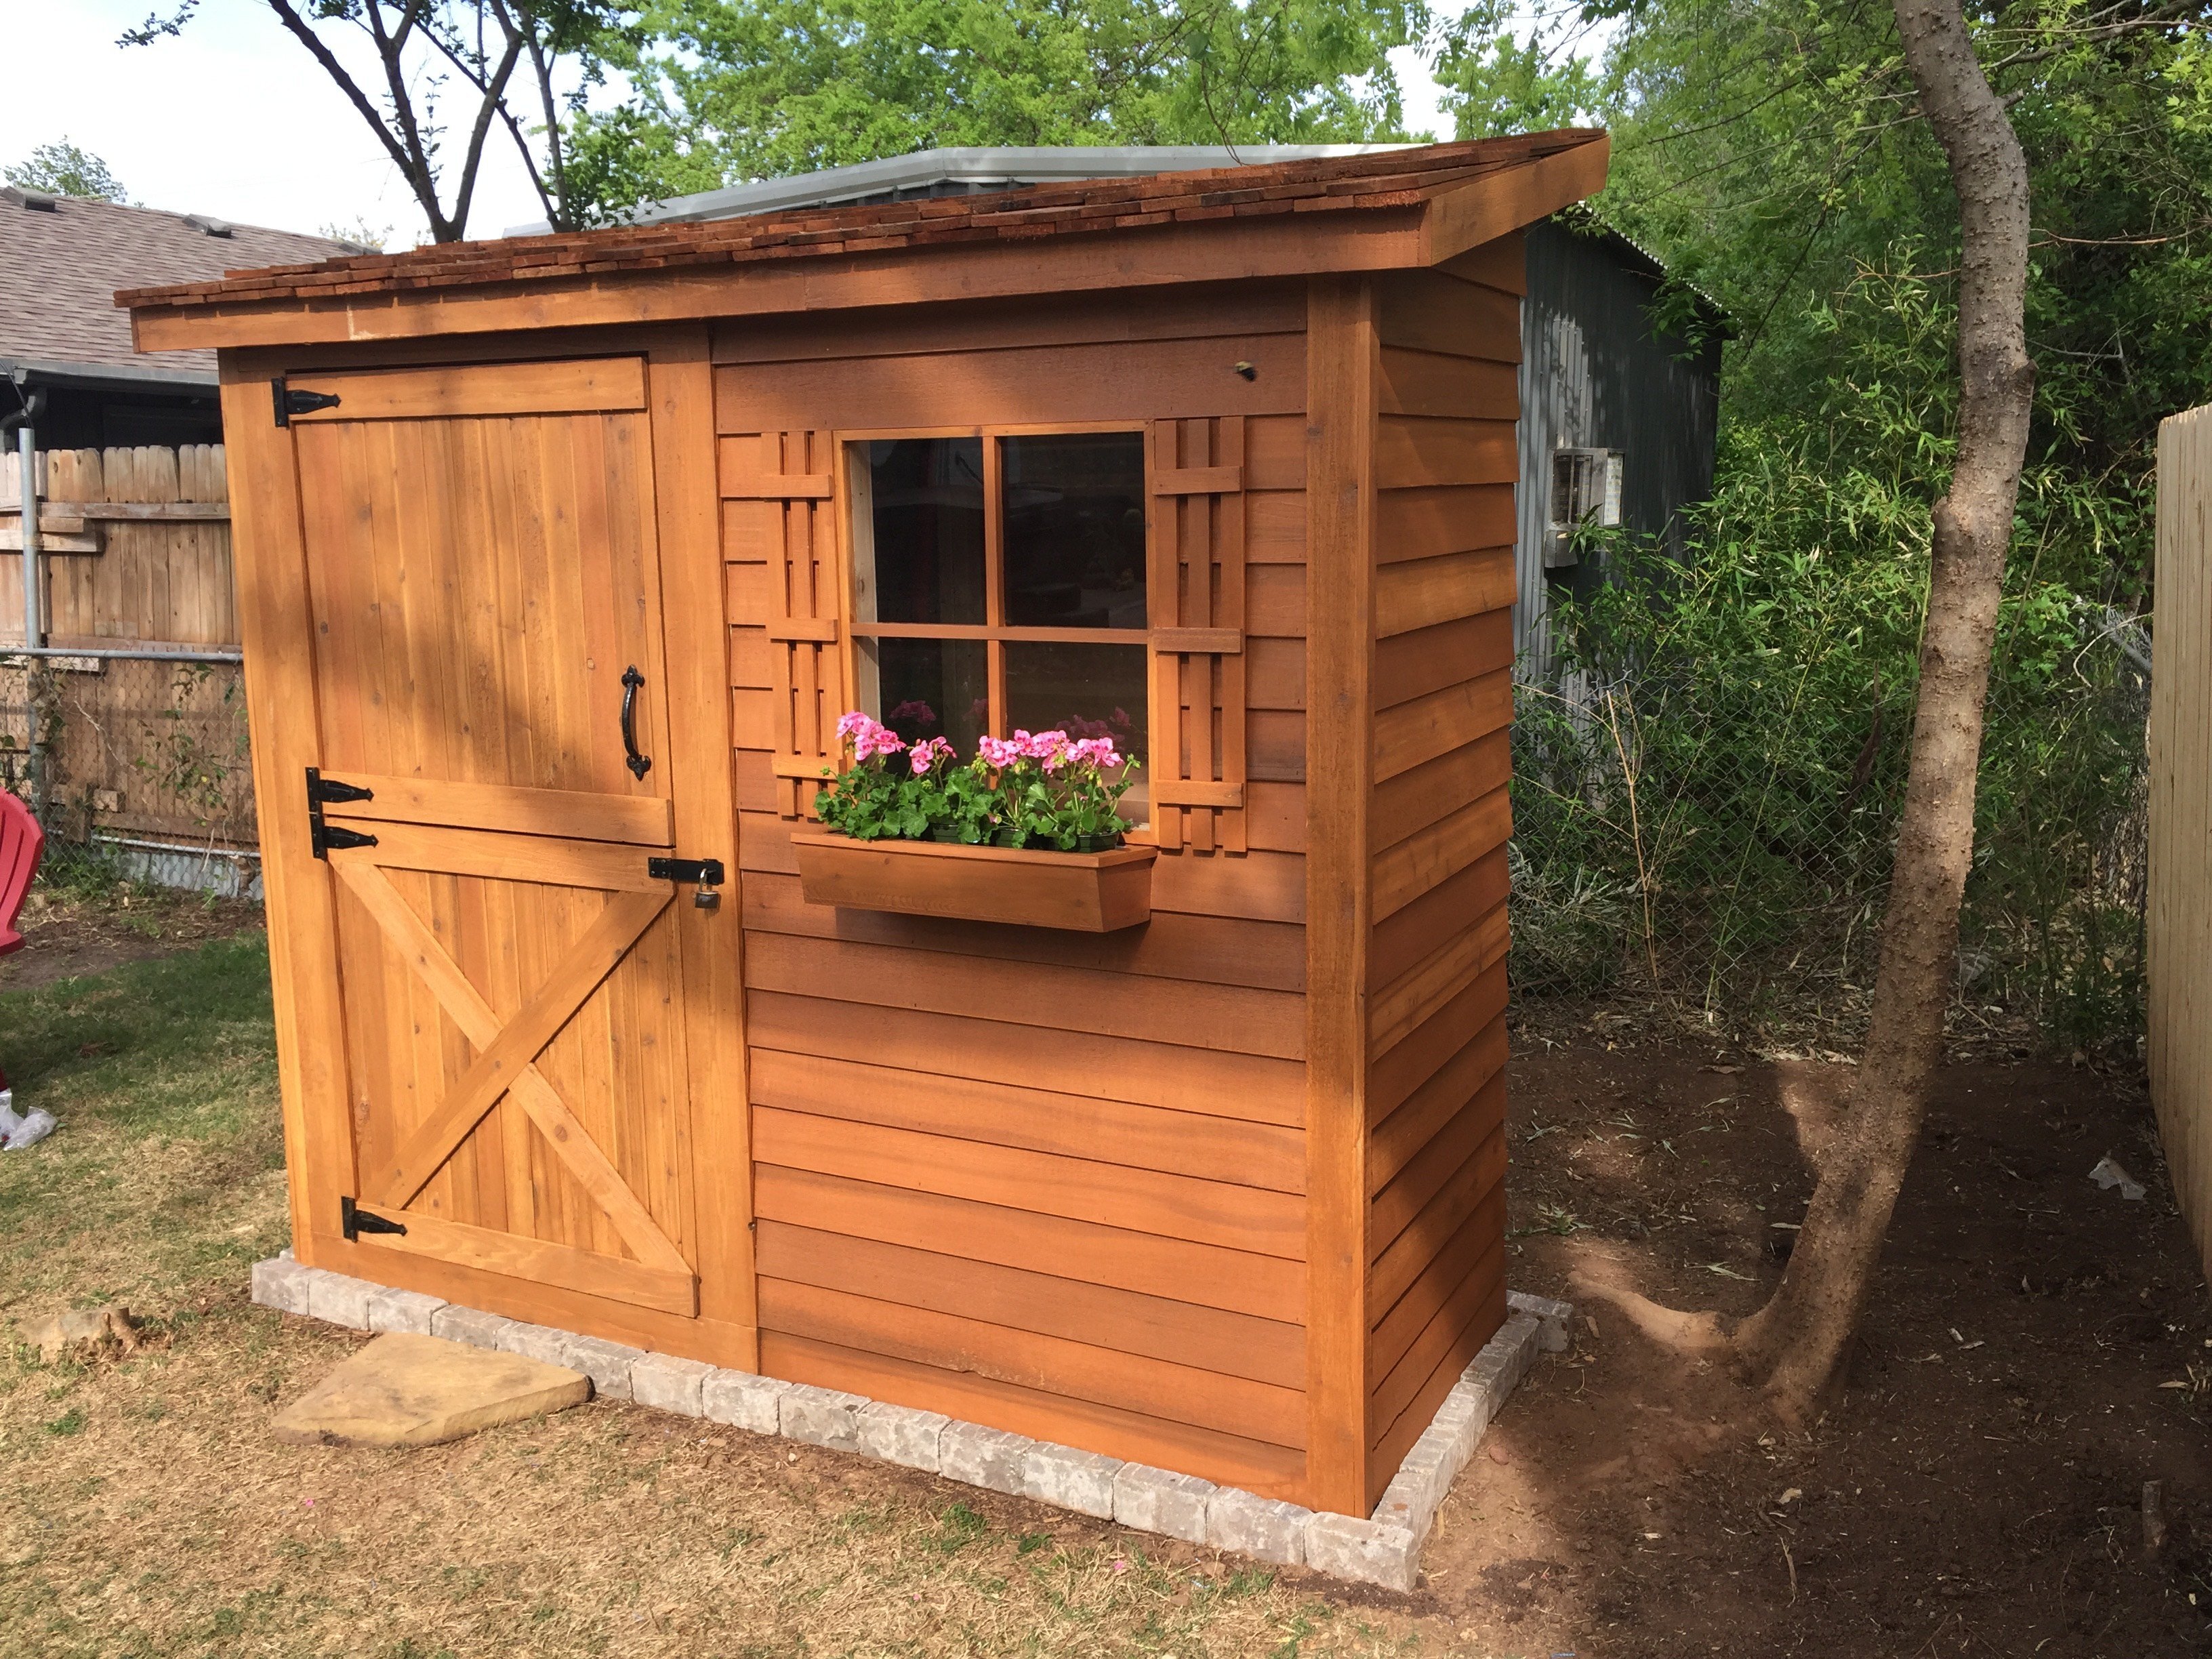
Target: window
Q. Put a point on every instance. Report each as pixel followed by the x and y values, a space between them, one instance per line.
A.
pixel 999 584
pixel 1585 489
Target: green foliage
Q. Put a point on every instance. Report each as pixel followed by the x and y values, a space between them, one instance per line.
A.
pixel 65 169
pixel 1711 800
pixel 742 89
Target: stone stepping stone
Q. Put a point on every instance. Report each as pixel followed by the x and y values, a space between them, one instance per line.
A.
pixel 407 1390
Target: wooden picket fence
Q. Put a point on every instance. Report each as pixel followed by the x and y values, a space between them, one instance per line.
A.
pixel 138 546
pixel 2178 966
pixel 137 561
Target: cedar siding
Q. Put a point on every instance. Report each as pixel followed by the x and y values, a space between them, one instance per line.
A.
pixel 1051 1181
pixel 1438 821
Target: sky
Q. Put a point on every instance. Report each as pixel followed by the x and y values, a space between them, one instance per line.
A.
pixel 232 118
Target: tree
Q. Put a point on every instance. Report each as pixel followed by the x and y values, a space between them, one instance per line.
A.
pixel 1856 187
pixel 774 87
pixel 1796 1343
pixel 419 44
pixel 64 169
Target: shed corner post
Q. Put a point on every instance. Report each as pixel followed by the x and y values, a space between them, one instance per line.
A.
pixel 1341 357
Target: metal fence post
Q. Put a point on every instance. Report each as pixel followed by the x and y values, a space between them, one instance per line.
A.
pixel 34 632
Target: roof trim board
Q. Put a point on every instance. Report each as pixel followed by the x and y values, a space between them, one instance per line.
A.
pixel 1376 210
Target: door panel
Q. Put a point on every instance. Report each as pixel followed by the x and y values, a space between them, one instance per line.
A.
pixel 510 974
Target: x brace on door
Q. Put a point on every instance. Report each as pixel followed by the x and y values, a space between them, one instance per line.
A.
pixel 506 1055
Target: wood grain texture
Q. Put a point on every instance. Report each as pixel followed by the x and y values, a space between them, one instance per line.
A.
pixel 1232 1216
pixel 1208 1148
pixel 1342 349
pixel 2178 913
pixel 1428 311
pixel 1412 450
pixel 1210 1081
pixel 679 389
pixel 276 625
pixel 1420 729
pixel 1266 1287
pixel 1233 1018
pixel 1136 381
pixel 1426 924
pixel 585 385
pixel 965 1345
pixel 1422 592
pixel 1429 520
pixel 1397 1074
pixel 1049 319
pixel 1414 801
pixel 1124 1322
pixel 1430 660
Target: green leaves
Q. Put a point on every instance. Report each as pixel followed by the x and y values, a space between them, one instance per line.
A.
pixel 751 89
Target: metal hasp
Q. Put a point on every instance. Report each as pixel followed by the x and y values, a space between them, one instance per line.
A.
pixel 706 873
pixel 354 1221
pixel 290 402
pixel 330 791
pixel 639 764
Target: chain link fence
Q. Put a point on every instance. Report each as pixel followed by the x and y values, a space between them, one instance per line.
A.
pixel 136 763
pixel 1719 834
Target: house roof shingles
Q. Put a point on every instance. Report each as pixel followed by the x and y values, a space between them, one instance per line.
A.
pixel 1350 184
pixel 59 269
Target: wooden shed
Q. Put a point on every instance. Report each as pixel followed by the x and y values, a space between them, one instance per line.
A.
pixel 1226 456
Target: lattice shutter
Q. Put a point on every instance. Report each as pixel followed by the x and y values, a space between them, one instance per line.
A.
pixel 1196 596
pixel 804 605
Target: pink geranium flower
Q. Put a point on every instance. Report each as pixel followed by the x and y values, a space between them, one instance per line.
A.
pixel 869 738
pixel 999 752
pixel 1050 748
pixel 926 755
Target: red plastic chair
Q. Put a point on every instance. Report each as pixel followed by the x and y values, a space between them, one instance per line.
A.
pixel 21 841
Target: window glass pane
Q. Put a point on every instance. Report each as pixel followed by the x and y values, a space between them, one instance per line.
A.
pixel 918 556
pixel 931 688
pixel 1075 529
pixel 1086 690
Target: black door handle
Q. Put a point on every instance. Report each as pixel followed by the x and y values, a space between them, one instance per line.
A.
pixel 639 764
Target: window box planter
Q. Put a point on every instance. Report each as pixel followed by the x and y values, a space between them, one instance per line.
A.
pixel 1082 892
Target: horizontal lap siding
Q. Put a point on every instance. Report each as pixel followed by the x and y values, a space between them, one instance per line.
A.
pixel 1049 1181
pixel 1438 821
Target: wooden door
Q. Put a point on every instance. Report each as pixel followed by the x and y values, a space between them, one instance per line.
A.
pixel 483 585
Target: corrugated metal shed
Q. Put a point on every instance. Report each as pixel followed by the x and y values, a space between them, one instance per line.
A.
pixel 1595 374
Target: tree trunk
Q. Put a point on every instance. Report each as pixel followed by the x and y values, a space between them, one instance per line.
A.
pixel 1796 1343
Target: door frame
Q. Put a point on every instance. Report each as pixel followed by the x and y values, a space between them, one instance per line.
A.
pixel 276 627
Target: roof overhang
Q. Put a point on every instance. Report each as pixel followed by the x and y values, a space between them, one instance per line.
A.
pixel 28 371
pixel 1035 246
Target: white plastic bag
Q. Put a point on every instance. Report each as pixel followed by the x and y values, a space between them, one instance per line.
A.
pixel 17 1133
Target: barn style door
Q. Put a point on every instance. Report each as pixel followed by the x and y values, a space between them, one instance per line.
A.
pixel 494 804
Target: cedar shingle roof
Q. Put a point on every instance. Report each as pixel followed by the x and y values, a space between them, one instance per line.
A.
pixel 59 269
pixel 1350 184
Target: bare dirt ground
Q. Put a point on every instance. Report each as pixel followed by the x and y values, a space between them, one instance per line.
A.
pixel 66 937
pixel 2039 1349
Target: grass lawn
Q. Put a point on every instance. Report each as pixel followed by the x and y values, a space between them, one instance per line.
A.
pixel 145 1511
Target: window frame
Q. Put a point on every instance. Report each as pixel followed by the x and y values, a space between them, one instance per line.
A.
pixel 994 632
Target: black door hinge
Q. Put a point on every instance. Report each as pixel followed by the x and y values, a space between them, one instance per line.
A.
pixel 706 872
pixel 330 791
pixel 290 402
pixel 354 1221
